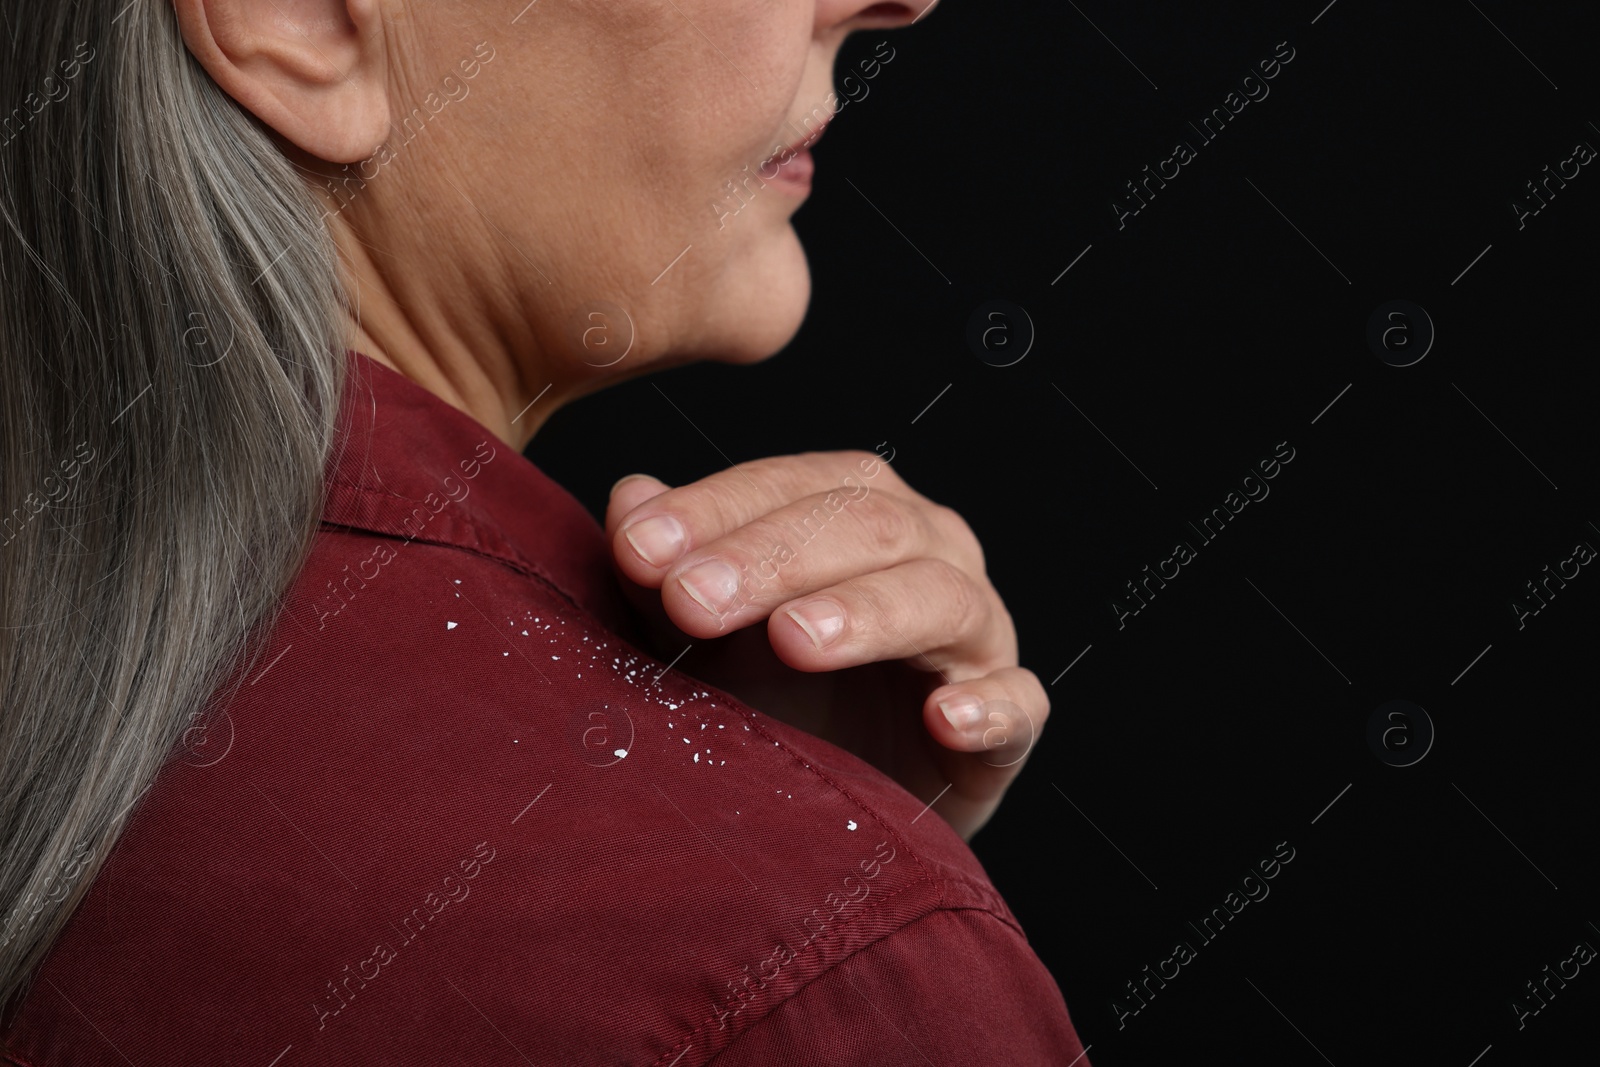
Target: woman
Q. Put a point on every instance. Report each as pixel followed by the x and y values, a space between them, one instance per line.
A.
pixel 327 731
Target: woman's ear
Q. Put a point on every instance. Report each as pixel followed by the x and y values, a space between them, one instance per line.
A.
pixel 313 70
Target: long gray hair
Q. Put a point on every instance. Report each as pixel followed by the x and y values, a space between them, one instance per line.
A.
pixel 171 360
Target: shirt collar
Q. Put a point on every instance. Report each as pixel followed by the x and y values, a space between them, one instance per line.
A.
pixel 406 464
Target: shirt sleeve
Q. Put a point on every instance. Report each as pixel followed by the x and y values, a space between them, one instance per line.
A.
pixel 955 986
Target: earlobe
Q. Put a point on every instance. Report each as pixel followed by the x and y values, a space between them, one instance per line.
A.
pixel 314 71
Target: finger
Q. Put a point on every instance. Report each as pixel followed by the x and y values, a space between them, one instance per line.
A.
pixel 999 716
pixel 926 611
pixel 806 546
pixel 981 753
pixel 661 529
pixel 629 492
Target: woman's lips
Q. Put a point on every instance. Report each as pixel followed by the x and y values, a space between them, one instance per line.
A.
pixel 796 173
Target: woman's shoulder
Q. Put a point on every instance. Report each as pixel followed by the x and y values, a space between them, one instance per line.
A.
pixel 465 819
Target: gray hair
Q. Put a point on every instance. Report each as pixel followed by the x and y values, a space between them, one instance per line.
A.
pixel 171 361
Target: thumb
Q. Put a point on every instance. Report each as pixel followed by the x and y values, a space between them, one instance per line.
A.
pixel 629 493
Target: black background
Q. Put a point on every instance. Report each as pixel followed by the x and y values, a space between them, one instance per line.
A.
pixel 1223 319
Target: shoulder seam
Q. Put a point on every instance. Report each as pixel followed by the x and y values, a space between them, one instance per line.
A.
pixel 484 550
pixel 936 910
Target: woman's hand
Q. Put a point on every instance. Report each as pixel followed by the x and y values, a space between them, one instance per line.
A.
pixel 876 592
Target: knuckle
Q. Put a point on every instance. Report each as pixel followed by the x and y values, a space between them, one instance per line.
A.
pixel 711 506
pixel 959 533
pixel 790 477
pixel 774 567
pixel 722 502
pixel 878 609
pixel 1003 614
pixel 958 545
pixel 964 602
pixel 862 462
pixel 855 457
pixel 889 526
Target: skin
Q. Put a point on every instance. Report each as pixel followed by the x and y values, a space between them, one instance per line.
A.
pixel 563 221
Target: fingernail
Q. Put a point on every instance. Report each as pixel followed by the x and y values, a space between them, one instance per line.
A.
pixel 629 478
pixel 658 541
pixel 822 620
pixel 713 584
pixel 961 712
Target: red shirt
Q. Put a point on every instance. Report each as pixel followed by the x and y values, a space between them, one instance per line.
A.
pixel 453 816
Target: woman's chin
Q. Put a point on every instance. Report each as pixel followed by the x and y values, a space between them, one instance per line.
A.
pixel 747 312
pixel 761 304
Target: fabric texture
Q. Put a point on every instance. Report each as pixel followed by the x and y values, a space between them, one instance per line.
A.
pixel 453 815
